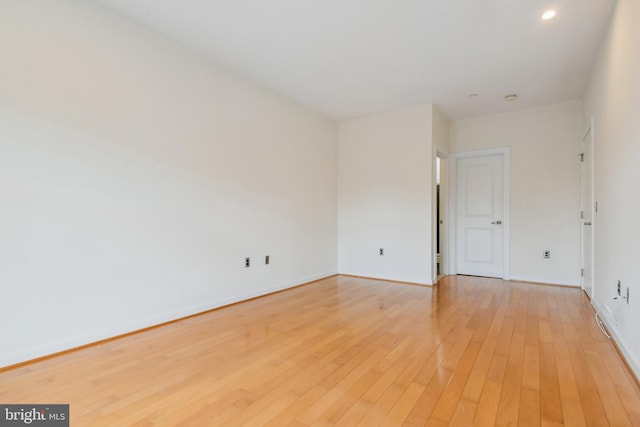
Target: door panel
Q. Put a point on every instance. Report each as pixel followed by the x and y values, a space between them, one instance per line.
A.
pixel 480 219
pixel 479 187
pixel 479 245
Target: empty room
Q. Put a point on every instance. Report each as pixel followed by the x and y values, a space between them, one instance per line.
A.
pixel 313 213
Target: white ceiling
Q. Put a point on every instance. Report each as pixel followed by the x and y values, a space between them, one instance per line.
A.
pixel 349 58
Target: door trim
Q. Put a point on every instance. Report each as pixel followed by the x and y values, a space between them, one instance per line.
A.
pixel 453 229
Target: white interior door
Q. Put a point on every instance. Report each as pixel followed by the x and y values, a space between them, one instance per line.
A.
pixel 480 215
pixel 587 214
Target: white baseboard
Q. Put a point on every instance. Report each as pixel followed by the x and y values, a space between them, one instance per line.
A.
pixel 612 328
pixel 546 281
pixel 389 278
pixel 117 330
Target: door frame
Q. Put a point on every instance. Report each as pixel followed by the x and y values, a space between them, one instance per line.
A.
pixel 453 229
pixel 588 132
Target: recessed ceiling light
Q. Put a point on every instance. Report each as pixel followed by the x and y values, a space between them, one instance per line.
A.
pixel 511 97
pixel 473 95
pixel 548 14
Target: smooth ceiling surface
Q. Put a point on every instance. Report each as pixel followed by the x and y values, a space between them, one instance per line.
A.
pixel 350 58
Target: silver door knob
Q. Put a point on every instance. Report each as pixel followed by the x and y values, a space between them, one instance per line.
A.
pixel 587 223
pixel 498 222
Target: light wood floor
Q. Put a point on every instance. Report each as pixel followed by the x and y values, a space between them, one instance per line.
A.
pixel 348 351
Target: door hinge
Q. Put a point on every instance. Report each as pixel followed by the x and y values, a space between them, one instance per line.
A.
pixel 596 207
pixel 581 214
pixel 582 272
pixel 581 157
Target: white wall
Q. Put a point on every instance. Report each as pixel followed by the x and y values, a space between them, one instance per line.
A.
pixel 441 130
pixel 385 180
pixel 613 99
pixel 545 185
pixel 136 176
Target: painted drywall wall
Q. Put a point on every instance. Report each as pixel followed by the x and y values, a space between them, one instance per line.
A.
pixel 384 192
pixel 136 176
pixel 545 185
pixel 612 98
pixel 440 132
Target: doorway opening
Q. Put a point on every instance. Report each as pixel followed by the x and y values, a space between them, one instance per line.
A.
pixel 440 215
pixel 438 220
pixel 588 209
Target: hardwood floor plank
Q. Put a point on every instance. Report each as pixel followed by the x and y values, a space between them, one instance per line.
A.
pixel 382 407
pixel 589 396
pixel 429 398
pixel 464 413
pixel 450 396
pixel 350 351
pixel 487 409
pixel 354 414
pixel 478 375
pixel 403 407
pixel 529 414
pixel 549 386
